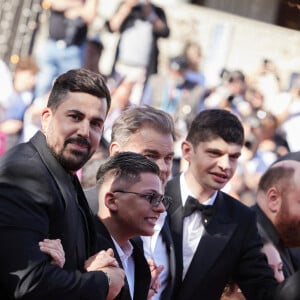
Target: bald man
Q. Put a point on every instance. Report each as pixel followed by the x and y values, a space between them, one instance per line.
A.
pixel 278 210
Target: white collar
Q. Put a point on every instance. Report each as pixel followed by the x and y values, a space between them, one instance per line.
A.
pixel 125 251
pixel 185 192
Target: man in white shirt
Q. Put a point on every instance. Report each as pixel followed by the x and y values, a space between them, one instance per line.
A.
pixel 215 235
pixel 150 132
pixel 130 196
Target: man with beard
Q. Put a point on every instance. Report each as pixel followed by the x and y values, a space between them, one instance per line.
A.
pixel 40 197
pixel 278 210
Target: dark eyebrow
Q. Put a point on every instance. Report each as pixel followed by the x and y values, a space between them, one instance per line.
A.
pixel 216 150
pixel 82 114
pixel 74 111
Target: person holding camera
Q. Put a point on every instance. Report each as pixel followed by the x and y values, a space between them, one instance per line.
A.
pixel 140 24
pixel 64 46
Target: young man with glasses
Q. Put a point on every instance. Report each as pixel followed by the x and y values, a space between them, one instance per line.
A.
pixel 131 199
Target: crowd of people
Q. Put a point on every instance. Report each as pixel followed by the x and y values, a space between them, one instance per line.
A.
pixel 268 110
pixel 142 184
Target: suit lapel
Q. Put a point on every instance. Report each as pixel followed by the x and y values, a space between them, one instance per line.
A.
pixel 167 238
pixel 67 190
pixel 142 273
pixel 175 218
pixel 215 237
pixel 86 215
pixel 104 241
pixel 142 276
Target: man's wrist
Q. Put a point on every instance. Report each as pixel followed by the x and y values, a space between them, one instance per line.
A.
pixel 108 278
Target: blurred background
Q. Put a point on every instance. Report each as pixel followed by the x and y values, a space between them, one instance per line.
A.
pixel 241 55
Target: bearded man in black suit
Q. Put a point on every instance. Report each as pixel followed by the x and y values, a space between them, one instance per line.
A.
pixel 40 197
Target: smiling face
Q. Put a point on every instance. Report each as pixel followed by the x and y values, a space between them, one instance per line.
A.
pixel 211 165
pixel 159 147
pixel 133 214
pixel 74 129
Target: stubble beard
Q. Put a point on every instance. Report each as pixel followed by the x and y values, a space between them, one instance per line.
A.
pixel 288 228
pixel 71 160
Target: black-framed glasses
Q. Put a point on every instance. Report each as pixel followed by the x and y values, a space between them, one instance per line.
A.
pixel 153 198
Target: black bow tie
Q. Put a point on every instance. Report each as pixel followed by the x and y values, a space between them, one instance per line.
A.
pixel 193 204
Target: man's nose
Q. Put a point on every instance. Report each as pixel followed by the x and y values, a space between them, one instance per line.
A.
pixel 84 129
pixel 159 208
pixel 163 166
pixel 224 162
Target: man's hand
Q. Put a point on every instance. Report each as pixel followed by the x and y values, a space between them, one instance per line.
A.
pixel 106 262
pixel 116 277
pixel 55 249
pixel 104 258
pixel 155 281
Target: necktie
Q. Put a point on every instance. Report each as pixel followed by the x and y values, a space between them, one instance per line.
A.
pixel 193 204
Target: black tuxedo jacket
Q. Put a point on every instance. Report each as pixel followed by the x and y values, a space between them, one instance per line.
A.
pixel 142 272
pixel 37 201
pixel 92 198
pixel 266 229
pixel 229 249
pixel 167 238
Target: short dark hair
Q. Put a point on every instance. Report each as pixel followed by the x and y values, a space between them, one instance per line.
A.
pixel 213 123
pixel 134 118
pixel 125 167
pixel 78 80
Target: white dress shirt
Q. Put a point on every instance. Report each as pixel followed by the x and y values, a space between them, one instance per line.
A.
pixel 192 226
pixel 125 253
pixel 155 248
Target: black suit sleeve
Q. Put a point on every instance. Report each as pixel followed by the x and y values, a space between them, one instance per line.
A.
pixel 25 272
pixel 253 274
pixel 255 279
pixel 289 289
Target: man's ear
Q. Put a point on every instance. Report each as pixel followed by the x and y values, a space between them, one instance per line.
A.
pixel 111 201
pixel 186 149
pixel 114 148
pixel 46 117
pixel 273 200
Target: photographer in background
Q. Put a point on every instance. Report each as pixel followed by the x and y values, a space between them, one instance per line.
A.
pixel 140 24
pixel 64 47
